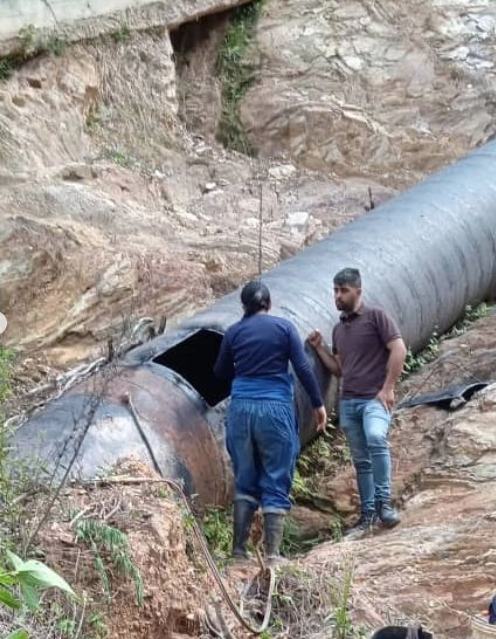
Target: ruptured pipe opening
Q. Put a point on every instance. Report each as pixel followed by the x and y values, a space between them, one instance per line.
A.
pixel 194 360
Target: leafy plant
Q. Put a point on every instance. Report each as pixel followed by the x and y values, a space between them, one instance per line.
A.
pixel 67 627
pixel 110 545
pixel 7 359
pixel 321 457
pixel 22 585
pixel 120 158
pixel 302 486
pixel 236 75
pixel 6 68
pixel 217 528
pixel 123 34
pixel 27 36
pixel 471 315
pixel 336 526
pixel 56 45
pixel 415 362
pixel 98 626
pixel 8 488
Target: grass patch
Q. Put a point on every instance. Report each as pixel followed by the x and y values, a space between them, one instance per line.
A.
pixel 236 75
pixel 341 590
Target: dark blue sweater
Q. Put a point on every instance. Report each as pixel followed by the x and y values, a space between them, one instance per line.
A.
pixel 262 346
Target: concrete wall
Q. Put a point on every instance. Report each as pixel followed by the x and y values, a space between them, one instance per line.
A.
pixel 17 14
pixel 81 19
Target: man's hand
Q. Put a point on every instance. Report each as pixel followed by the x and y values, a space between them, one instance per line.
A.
pixel 315 338
pixel 320 419
pixel 331 362
pixel 386 397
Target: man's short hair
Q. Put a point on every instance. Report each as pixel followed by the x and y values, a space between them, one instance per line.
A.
pixel 348 277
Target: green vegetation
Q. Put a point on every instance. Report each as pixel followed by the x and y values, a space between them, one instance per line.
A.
pixel 56 46
pixel 6 361
pixel 471 315
pixel 337 531
pixel 110 551
pixel 10 492
pixel 120 158
pixel 31 44
pixel 6 68
pixel 341 600
pixel 236 75
pixel 97 625
pixel 320 458
pixel 122 34
pixel 218 530
pixel 27 36
pixel 415 362
pixel 21 586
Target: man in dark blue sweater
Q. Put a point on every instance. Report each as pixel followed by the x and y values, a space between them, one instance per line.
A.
pixel 262 434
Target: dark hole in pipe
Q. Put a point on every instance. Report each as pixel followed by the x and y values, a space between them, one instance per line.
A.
pixel 194 359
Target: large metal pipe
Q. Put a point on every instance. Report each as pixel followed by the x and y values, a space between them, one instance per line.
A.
pixel 424 256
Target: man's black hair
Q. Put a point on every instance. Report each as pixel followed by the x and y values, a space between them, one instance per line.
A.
pixel 348 277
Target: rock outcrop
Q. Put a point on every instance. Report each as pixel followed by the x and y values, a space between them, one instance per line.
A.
pixel 383 89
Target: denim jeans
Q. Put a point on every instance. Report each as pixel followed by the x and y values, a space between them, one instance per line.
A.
pixel 263 443
pixel 365 422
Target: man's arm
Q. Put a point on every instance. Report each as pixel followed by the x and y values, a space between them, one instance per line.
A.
pixel 331 362
pixel 397 354
pixel 307 378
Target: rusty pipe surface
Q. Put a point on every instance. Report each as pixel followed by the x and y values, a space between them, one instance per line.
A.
pixel 424 256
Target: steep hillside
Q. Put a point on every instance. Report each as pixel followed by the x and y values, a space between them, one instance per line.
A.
pixel 118 201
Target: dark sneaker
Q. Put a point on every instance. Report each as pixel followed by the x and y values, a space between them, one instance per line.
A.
pixel 388 515
pixel 363 525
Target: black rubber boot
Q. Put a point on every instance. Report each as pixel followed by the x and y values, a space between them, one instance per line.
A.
pixel 273 532
pixel 243 518
pixel 388 515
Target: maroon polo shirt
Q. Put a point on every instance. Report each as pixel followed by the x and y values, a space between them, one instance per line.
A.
pixel 360 339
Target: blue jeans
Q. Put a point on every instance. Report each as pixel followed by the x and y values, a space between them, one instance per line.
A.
pixel 365 422
pixel 263 442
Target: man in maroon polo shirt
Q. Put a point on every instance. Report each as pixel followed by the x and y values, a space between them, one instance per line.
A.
pixel 368 354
